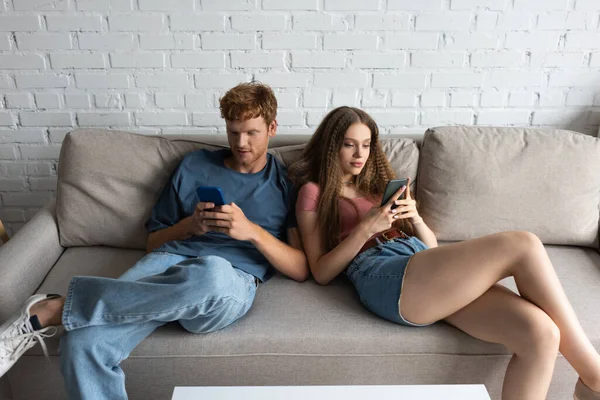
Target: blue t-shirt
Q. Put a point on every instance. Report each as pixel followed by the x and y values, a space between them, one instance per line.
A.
pixel 267 198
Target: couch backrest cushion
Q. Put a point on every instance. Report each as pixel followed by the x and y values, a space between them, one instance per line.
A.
pixel 108 182
pixel 476 181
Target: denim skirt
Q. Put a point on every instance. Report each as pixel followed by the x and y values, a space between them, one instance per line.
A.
pixel 377 275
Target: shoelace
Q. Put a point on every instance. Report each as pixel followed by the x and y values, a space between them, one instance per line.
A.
pixel 25 339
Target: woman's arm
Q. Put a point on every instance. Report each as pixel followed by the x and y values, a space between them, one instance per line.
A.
pixel 408 210
pixel 424 233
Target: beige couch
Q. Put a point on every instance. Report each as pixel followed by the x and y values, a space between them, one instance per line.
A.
pixel 471 182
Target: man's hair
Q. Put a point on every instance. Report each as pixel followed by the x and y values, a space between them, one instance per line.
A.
pixel 249 100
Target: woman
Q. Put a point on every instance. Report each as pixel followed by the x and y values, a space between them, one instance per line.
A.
pixel 411 281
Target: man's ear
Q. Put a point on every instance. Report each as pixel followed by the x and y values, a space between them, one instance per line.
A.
pixel 272 128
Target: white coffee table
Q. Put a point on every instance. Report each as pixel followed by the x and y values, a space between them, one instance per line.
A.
pixel 404 392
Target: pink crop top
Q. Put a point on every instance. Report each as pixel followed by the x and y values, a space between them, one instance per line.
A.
pixel 308 199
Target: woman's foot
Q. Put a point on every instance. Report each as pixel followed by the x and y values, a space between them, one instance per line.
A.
pixel 583 392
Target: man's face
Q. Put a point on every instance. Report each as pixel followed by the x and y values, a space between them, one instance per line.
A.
pixel 249 140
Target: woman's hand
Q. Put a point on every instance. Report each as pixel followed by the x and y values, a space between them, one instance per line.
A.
pixel 407 209
pixel 380 219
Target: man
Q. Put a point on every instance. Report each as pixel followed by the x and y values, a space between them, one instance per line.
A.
pixel 203 265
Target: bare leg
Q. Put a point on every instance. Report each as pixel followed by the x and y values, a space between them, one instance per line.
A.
pixel 501 316
pixel 443 280
pixel 49 312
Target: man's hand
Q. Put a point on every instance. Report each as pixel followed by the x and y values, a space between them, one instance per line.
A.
pixel 230 220
pixel 197 225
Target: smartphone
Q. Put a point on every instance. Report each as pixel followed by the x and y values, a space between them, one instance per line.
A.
pixel 210 194
pixel 392 187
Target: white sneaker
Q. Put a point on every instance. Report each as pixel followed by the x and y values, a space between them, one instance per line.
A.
pixel 17 335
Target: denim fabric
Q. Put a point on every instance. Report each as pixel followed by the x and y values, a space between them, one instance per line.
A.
pixel 105 319
pixel 377 275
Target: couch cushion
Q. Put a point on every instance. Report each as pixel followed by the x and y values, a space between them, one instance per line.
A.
pixel 290 318
pixel 108 182
pixel 475 181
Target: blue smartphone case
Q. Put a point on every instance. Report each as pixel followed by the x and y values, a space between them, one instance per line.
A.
pixel 210 194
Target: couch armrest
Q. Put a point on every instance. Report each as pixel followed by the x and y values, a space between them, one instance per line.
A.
pixel 26 259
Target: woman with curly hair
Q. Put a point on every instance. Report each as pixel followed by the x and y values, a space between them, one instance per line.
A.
pixel 393 260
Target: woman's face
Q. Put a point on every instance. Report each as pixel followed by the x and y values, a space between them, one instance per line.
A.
pixel 355 149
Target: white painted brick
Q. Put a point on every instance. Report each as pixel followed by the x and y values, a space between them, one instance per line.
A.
pixel 289 41
pixel 542 59
pixel 110 41
pixel 287 99
pixel 534 40
pixel 552 98
pixel 433 98
pixel 340 80
pixel 7 119
pixel 102 81
pixel 562 20
pixel 48 152
pixel 40 41
pixel 5 42
pixel 374 99
pixel 163 80
pixel 103 119
pixel 207 119
pixel 582 40
pixel 427 41
pixel 285 5
pixel 137 23
pixel 87 61
pixel 437 60
pixel 47 100
pixel 594 62
pixel 26 199
pixel 8 215
pixel 135 100
pixel 290 117
pixel 20 23
pixel 315 98
pixel 25 168
pixel 171 5
pixel 257 60
pixel 42 81
pixel 108 100
pixel 161 118
pixel 436 118
pixel 350 42
pixel 168 100
pixel 46 118
pixel 546 5
pixel 402 80
pixel 580 98
pixel 189 131
pixel 78 100
pixel 199 101
pixel 462 99
pixel 422 5
pixel 284 80
pixel 404 98
pixel 494 5
pixel 379 60
pixel 40 5
pixel 351 5
pixel 194 23
pixel 555 117
pixel 521 99
pixel 139 60
pixel 388 118
pixel 462 79
pixel 5 82
pixel 499 59
pixel 223 81
pixel 345 97
pixel 167 42
pixel 471 41
pixel 43 183
pixel 503 117
pixel 586 5
pixel 8 153
pixel 398 22
pixel 509 21
pixel 314 118
pixel 104 5
pixel 493 98
pixel 225 41
pixel 74 23
pixel 243 22
pixel 319 22
pixel 22 61
pixel 503 79
pixel 19 100
pixel 21 135
pixel 198 60
pixel 226 5
pixel 318 60
pixel 575 78
pixel 447 21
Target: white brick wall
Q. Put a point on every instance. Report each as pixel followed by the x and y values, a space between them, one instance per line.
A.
pixel 159 67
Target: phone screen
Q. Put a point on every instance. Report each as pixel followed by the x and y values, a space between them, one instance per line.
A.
pixel 392 187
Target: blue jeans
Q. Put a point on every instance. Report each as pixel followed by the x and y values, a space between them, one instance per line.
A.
pixel 105 319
